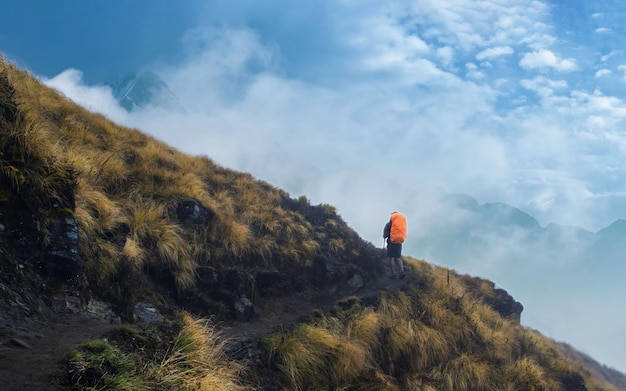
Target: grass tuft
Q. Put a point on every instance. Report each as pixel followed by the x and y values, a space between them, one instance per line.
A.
pixel 193 360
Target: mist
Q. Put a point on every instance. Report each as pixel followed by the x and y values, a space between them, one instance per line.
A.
pixel 408 125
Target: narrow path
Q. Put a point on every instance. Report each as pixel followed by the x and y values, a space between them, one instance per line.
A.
pixel 276 313
pixel 31 356
pixel 30 359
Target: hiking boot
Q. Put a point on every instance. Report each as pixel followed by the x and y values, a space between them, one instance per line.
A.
pixel 402 274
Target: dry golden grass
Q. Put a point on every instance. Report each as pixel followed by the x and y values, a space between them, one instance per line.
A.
pixel 196 360
pixel 310 247
pixel 201 251
pixel 337 245
pixel 24 162
pixel 189 185
pixel 134 253
pixel 366 327
pixel 315 356
pixel 397 336
pixel 149 229
pixel 96 214
pixel 436 335
pixel 225 203
pixel 526 374
pixel 100 213
pixel 298 361
pixel 235 237
pixel 422 341
pixel 431 346
pixel 465 373
pixel 503 338
pixel 416 382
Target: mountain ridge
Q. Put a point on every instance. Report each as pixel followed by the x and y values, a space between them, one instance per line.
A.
pixel 96 215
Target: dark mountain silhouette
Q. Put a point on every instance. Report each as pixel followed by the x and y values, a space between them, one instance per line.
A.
pixel 143 89
pixel 609 244
pixel 472 228
pixel 126 264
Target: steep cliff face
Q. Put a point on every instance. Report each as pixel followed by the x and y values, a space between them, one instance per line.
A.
pixel 39 243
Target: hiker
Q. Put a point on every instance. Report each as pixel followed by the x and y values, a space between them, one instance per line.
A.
pixel 394 235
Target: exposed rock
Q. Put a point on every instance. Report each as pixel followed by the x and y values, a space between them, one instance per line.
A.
pixel 497 298
pixel 68 303
pixel 356 282
pixel 20 343
pixel 227 292
pixel 273 283
pixel 20 290
pixel 241 347
pixel 244 309
pixel 505 304
pixel 336 278
pixel 573 381
pixel 146 313
pixel 191 212
pixel 22 231
pixel 326 271
pixel 103 311
pixel 62 257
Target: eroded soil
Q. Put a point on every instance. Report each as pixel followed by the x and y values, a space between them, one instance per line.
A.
pixel 31 353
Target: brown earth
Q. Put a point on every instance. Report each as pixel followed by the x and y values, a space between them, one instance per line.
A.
pixel 31 354
pixel 30 357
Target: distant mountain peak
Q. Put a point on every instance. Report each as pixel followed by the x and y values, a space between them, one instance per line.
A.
pixel 497 213
pixel 143 89
pixel 617 230
pixel 617 224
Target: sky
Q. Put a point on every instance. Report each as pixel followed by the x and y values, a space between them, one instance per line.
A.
pixel 373 106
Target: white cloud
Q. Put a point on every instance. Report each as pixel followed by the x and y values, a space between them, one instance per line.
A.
pixel 98 99
pixel 622 68
pixel 543 86
pixel 402 123
pixel 613 53
pixel 546 59
pixel 496 52
pixel 445 55
pixel 479 24
pixel 600 103
pixel 473 72
pixel 602 30
pixel 236 115
pixel 602 73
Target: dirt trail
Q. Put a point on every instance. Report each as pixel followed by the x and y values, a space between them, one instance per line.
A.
pixel 272 314
pixel 30 357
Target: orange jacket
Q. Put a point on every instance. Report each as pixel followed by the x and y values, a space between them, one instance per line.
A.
pixel 397 233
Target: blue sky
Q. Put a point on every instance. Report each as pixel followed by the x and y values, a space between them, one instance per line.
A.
pixel 372 106
pixel 104 39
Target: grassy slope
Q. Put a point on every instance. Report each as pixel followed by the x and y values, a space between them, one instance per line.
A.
pixel 128 189
pixel 437 335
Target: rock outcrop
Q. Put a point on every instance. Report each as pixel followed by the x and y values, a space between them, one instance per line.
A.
pixel 497 298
